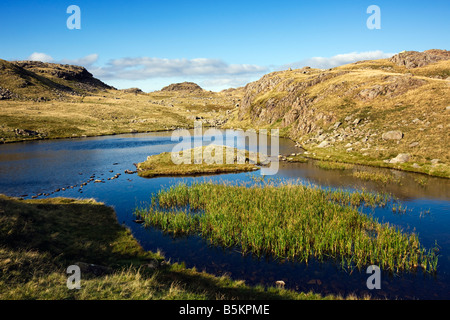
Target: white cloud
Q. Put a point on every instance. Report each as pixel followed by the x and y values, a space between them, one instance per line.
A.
pixel 338 60
pixel 152 73
pixel 39 56
pixel 87 61
pixel 146 68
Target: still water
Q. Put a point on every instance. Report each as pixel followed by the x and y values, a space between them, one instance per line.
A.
pixel 41 167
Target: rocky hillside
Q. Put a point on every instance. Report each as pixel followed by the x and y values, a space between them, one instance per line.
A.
pixel 39 81
pixel 367 112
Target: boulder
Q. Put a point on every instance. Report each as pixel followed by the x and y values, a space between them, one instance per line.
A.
pixel 435 161
pixel 401 158
pixel 393 135
pixel 323 144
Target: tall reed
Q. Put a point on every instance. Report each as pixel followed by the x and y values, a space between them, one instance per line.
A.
pixel 289 221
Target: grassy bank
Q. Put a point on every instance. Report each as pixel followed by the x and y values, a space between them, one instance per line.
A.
pixel 163 165
pixel 289 221
pixel 441 170
pixel 39 239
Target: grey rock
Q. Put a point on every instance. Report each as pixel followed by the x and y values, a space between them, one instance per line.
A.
pixel 337 125
pixel 401 158
pixel 323 144
pixel 435 161
pixel 393 135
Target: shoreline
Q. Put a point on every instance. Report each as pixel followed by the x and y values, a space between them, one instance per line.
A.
pixel 308 156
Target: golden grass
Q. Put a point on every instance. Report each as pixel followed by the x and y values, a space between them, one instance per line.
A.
pixel 111 112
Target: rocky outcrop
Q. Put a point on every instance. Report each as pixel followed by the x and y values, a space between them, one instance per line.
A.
pixel 414 59
pixel 185 86
pixel 286 99
pixel 133 90
pixel 393 86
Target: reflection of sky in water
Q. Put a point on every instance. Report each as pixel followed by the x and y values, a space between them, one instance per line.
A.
pixel 43 166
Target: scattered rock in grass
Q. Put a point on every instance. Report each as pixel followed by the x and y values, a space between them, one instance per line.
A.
pixel 337 125
pixel 414 144
pixel 401 158
pixel 435 161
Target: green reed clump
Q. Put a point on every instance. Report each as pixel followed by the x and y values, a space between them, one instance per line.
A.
pixel 375 176
pixel 288 221
pixel 328 165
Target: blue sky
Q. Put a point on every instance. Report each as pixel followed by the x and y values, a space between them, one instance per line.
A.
pixel 218 44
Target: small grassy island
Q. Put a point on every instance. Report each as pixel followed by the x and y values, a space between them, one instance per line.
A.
pixel 163 165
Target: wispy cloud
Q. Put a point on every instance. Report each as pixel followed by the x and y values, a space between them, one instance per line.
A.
pixel 142 68
pixel 87 61
pixel 215 74
pixel 39 56
pixel 337 60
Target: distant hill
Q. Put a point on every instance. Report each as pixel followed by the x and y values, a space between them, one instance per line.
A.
pixel 185 87
pixel 347 112
pixel 34 80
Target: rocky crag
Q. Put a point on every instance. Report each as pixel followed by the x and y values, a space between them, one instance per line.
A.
pixel 367 112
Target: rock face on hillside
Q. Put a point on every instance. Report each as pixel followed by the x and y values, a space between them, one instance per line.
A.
pixel 185 86
pixel 414 59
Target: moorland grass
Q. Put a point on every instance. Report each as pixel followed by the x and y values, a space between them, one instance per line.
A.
pixel 289 222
